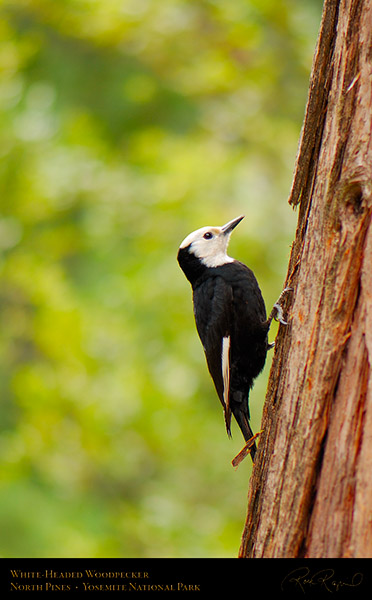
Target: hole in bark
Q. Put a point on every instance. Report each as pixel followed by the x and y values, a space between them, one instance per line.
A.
pixel 354 197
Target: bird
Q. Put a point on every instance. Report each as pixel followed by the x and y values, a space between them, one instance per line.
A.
pixel 231 321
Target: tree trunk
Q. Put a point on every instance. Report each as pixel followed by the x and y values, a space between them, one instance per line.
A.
pixel 310 493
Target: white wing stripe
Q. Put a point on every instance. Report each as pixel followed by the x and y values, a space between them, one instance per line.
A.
pixel 226 370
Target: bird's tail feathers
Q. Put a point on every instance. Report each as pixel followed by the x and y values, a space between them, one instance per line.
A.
pixel 243 423
pixel 242 419
pixel 236 403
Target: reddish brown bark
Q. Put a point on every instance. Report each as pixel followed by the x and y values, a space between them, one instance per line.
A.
pixel 310 492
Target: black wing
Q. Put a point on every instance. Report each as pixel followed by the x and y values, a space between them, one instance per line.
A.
pixel 213 310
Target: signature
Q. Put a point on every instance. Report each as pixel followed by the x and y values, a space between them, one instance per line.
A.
pixel 303 579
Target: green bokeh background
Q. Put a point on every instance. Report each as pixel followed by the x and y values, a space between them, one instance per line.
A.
pixel 124 125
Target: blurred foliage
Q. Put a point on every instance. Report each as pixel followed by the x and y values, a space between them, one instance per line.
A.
pixel 124 125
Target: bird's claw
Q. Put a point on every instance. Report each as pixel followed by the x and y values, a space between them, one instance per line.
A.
pixel 277 311
pixel 279 314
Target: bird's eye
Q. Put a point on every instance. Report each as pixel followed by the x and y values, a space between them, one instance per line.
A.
pixel 208 235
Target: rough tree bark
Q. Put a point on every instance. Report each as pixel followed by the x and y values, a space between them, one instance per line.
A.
pixel 310 493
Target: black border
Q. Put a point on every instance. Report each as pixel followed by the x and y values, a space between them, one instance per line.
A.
pixel 196 577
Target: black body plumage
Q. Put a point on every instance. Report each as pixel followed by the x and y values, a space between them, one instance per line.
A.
pixel 231 320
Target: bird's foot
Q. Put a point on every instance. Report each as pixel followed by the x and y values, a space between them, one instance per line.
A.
pixel 279 314
pixel 245 451
pixel 277 311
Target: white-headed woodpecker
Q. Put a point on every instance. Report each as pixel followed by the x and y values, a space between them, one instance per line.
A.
pixel 230 318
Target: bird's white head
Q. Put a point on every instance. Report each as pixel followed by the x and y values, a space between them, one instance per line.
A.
pixel 209 244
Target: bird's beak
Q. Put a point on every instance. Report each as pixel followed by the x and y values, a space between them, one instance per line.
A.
pixel 227 229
